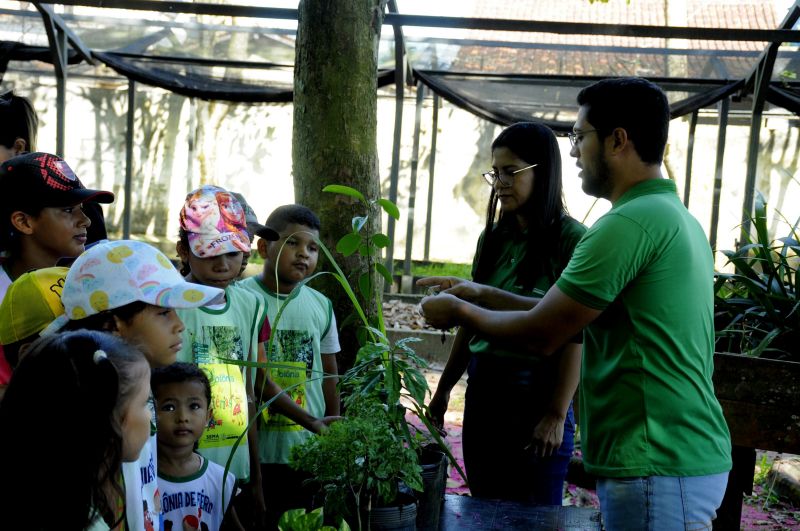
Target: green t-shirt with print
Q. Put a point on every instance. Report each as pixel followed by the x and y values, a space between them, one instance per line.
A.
pixel 212 335
pixel 297 362
pixel 647 400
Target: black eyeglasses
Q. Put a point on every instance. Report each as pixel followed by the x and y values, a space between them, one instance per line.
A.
pixel 576 137
pixel 493 176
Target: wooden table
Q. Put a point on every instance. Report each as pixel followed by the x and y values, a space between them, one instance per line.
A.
pixel 465 512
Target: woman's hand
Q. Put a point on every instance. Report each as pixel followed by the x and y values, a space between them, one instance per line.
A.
pixel 437 407
pixel 548 435
pixel 439 283
pixel 468 291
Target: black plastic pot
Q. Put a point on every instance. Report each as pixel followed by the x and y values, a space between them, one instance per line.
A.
pixel 400 516
pixel 434 479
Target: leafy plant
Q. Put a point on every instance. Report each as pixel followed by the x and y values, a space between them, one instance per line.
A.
pixel 359 460
pixel 300 520
pixel 756 306
pixel 389 371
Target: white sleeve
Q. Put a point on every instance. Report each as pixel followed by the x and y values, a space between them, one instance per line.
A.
pixel 329 344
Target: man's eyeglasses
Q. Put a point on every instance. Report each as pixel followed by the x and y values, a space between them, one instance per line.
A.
pixel 493 176
pixel 576 137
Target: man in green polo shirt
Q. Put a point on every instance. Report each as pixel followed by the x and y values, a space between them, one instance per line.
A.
pixel 640 285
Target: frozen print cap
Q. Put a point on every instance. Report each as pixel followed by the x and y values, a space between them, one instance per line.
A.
pixel 214 222
pixel 113 274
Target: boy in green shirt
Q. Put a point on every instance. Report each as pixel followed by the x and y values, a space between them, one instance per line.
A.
pixel 305 344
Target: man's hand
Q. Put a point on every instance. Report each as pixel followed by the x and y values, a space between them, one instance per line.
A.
pixel 439 310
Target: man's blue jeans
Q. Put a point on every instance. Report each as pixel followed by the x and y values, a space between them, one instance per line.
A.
pixel 660 503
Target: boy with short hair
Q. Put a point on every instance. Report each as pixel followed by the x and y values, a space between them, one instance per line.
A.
pixel 305 345
pixel 195 492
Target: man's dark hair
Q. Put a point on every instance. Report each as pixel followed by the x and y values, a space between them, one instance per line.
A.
pixel 178 373
pixel 634 104
pixel 285 215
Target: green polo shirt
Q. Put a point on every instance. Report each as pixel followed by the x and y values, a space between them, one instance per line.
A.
pixel 647 400
pixel 504 275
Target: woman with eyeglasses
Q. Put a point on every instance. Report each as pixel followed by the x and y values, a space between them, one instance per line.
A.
pixel 20 124
pixel 518 422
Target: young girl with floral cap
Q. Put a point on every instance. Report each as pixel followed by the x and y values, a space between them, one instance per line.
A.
pixel 131 289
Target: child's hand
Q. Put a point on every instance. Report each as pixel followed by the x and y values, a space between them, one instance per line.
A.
pixel 320 425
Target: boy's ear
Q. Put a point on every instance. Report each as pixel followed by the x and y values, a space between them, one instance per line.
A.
pixel 262 245
pixel 20 146
pixel 209 415
pixel 21 222
pixel 112 326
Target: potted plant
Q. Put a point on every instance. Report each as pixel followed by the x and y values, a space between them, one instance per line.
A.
pixel 384 371
pixel 361 464
pixel 756 369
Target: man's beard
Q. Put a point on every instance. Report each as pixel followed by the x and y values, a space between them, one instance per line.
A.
pixel 598 184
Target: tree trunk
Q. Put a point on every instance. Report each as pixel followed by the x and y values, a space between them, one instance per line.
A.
pixel 335 122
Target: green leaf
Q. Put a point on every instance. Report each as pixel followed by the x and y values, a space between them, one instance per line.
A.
pixel 359 222
pixel 390 208
pixel 365 285
pixel 381 269
pixel 380 240
pixel 348 244
pixel 345 190
pixel 365 250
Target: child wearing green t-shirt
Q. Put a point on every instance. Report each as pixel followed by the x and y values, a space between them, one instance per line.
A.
pixel 213 238
pixel 305 345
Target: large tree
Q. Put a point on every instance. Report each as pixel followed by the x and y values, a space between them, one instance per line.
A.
pixel 335 122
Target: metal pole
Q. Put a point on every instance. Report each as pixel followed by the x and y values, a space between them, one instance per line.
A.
pixel 412 189
pixel 689 156
pixel 761 82
pixel 431 167
pixel 61 90
pixel 723 108
pixel 399 81
pixel 126 213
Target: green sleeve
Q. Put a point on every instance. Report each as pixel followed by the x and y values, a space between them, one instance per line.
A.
pixel 606 260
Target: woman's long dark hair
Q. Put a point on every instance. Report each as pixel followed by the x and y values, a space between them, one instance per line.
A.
pixel 535 144
pixel 19 121
pixel 61 447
